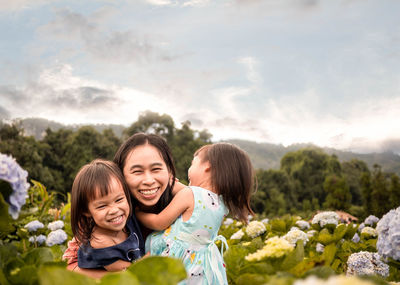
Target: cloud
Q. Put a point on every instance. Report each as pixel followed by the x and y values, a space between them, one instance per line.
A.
pixel 74 29
pixel 15 5
pixel 4 114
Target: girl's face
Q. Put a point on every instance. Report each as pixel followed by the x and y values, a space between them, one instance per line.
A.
pixel 111 211
pixel 197 170
pixel 146 174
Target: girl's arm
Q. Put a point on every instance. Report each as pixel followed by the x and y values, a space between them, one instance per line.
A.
pixel 119 265
pixel 182 201
pixel 177 187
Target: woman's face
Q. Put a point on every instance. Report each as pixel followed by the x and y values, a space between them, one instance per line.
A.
pixel 147 174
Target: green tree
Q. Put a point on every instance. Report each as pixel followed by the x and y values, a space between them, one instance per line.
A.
pixel 352 172
pixel 395 191
pixel 380 193
pixel 338 194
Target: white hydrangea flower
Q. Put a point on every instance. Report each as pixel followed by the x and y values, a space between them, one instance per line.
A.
pixel 366 263
pixel 34 226
pixel 275 247
pixel 369 231
pixel 228 221
pixel 56 225
pixel 325 218
pixel 311 233
pixel 320 247
pixel 333 280
pixel 371 220
pixel 294 235
pixel 389 235
pixel 265 221
pixel 56 237
pixel 39 239
pixel 255 228
pixel 238 235
pixel 303 225
pixel 239 224
pixel 249 217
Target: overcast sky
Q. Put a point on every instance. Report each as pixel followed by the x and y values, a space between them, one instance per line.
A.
pixel 278 71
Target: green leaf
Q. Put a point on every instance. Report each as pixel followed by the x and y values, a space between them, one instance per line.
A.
pixel 325 237
pixel 54 274
pixel 38 256
pixel 250 278
pixel 339 232
pixel 164 270
pixel 278 226
pixel 258 268
pixel 121 278
pixel 329 253
pixel 294 257
pixel 323 272
pixel 5 218
pixel 234 260
pixel 3 279
pixel 7 252
pixel 24 275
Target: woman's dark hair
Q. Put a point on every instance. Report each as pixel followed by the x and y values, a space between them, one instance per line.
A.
pixel 232 176
pixel 161 145
pixel 92 179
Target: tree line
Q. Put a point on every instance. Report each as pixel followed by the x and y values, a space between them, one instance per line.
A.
pixel 308 179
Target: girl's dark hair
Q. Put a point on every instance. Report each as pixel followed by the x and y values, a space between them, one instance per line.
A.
pixel 92 179
pixel 232 176
pixel 161 145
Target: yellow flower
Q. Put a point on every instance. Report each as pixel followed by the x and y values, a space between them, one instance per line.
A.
pixel 275 247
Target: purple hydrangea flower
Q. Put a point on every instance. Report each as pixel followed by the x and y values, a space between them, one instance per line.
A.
pixel 11 172
pixel 388 229
pixel 366 263
pixel 39 239
pixel 371 220
pixel 34 226
pixel 56 237
pixel 356 238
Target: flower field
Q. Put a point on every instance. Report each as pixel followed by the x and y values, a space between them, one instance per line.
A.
pixel 34 230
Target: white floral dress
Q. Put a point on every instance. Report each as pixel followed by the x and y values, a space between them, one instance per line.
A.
pixel 193 241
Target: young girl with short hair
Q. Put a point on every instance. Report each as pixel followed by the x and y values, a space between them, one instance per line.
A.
pixel 101 218
pixel 221 179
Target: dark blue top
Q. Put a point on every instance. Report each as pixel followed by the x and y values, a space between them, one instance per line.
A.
pixel 129 250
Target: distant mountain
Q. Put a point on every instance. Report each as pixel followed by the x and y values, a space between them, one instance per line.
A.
pixel 263 155
pixel 37 127
pixel 266 155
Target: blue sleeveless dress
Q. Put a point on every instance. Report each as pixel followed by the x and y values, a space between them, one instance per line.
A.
pixel 128 250
pixel 193 241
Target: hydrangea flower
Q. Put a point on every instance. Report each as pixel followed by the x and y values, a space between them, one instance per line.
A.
pixel 56 237
pixel 371 220
pixel 303 225
pixel 369 231
pixel 255 228
pixel 356 238
pixel 360 227
pixel 56 225
pixel 34 226
pixel 320 247
pixel 366 263
pixel 275 247
pixel 265 221
pixel 333 280
pixel 39 239
pixel 249 217
pixel 325 218
pixel 294 235
pixel 388 228
pixel 238 235
pixel 11 172
pixel 228 221
pixel 311 233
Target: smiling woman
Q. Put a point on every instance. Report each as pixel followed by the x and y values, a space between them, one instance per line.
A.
pixel 148 170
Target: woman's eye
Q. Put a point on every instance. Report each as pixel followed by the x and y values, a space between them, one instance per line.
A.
pixel 156 169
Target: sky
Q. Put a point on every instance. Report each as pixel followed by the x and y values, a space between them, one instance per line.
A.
pixel 325 72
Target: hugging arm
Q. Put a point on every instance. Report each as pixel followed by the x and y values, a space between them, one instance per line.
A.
pixel 182 201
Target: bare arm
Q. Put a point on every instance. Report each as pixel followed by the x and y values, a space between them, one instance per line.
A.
pixel 182 201
pixel 177 187
pixel 119 265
